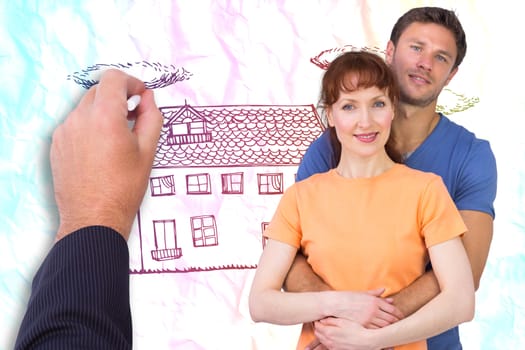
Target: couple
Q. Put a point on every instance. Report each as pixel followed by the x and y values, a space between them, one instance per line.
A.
pixel 370 226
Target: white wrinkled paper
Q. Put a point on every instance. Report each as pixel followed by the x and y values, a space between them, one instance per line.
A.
pixel 194 250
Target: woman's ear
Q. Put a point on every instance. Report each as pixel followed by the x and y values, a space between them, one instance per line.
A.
pixel 329 119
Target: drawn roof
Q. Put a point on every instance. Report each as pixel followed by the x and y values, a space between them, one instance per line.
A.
pixel 242 135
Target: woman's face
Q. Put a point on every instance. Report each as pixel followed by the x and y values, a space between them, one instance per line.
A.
pixel 362 120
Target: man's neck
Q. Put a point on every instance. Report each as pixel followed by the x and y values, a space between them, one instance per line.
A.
pixel 410 127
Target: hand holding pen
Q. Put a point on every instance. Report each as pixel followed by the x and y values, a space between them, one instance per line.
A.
pixel 95 149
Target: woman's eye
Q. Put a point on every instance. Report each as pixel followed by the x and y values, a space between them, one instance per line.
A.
pixel 379 104
pixel 348 107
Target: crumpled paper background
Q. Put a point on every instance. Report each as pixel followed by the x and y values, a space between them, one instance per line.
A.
pixel 242 53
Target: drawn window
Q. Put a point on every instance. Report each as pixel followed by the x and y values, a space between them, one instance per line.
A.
pixel 196 127
pixel 198 184
pixel 270 183
pixel 165 241
pixel 179 129
pixel 232 183
pixel 264 225
pixel 162 185
pixel 189 127
pixel 204 230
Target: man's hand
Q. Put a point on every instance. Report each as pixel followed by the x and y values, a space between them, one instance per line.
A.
pixel 100 166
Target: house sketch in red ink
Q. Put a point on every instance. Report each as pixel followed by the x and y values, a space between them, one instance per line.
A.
pixel 217 177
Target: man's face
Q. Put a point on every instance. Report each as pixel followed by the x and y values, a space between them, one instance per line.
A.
pixel 422 62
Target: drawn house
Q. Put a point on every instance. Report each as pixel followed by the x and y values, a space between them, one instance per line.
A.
pixel 217 177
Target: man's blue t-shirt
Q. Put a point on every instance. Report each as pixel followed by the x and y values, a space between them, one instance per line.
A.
pixel 466 164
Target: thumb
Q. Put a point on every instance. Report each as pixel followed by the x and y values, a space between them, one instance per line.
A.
pixel 148 124
pixel 327 321
pixel 376 292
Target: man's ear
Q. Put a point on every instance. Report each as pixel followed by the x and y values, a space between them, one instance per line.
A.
pixel 389 54
pixel 451 75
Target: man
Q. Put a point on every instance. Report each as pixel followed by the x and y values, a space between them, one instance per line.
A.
pixel 425 49
pixel 100 167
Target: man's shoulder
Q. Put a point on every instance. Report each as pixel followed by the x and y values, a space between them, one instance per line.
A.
pixel 453 130
pixel 461 139
pixel 318 158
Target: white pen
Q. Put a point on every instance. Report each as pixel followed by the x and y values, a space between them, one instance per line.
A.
pixel 133 102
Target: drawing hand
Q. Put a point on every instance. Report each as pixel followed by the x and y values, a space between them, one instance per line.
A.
pixel 100 166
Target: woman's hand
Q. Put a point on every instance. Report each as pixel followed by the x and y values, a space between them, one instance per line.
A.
pixel 339 333
pixel 368 309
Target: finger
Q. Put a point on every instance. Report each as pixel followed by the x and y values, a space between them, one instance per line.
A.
pixel 377 323
pixel 328 321
pixel 383 319
pixel 112 92
pixel 313 345
pixel 391 309
pixel 320 334
pixel 148 124
pixel 55 149
pixel 396 313
pixel 376 292
pixel 85 103
pixel 118 85
pixel 387 316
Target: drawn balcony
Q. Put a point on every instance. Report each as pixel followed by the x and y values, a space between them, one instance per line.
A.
pixel 188 138
pixel 166 254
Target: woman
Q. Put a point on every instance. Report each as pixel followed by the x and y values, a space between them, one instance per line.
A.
pixel 368 224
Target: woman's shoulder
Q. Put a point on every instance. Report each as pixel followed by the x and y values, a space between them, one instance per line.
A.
pixel 416 175
pixel 316 183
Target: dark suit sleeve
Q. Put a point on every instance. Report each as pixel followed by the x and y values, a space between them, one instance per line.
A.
pixel 80 295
